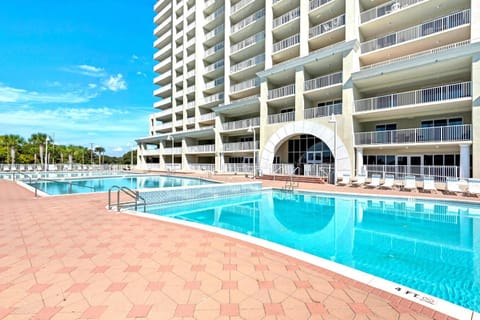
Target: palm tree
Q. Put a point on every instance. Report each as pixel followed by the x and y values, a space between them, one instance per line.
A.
pixel 39 139
pixel 99 150
pixel 12 142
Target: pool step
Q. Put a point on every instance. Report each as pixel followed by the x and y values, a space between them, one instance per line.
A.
pixel 306 179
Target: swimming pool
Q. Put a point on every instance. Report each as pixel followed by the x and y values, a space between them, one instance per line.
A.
pixel 431 246
pixel 103 184
pixel 22 175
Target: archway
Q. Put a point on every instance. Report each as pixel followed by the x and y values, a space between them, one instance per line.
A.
pixel 324 133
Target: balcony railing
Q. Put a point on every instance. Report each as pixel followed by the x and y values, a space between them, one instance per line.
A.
pixel 201 148
pixel 428 95
pixel 238 167
pixel 248 63
pixel 248 20
pixel 214 66
pixel 324 111
pixel 327 26
pixel 190 120
pixel 425 29
pixel 248 84
pixel 252 98
pixel 281 117
pixel 440 173
pixel 256 38
pixel 216 48
pixel 175 150
pixel 281 92
pixel 214 83
pixel 317 3
pixel 202 166
pixel 239 5
pixel 285 18
pixel 386 8
pixel 207 116
pixel 218 30
pixel 217 13
pixel 416 135
pixel 286 43
pixel 418 54
pixel 190 105
pixel 239 146
pixel 190 89
pixel 324 81
pixel 213 98
pixel 241 124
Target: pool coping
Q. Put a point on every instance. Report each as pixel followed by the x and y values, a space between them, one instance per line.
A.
pixel 413 295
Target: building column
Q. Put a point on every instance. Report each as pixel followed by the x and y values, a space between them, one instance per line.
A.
pixel 464 161
pixel 359 160
pixel 476 113
pixel 299 100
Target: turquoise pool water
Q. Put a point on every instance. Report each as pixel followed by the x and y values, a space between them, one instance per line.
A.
pixel 103 184
pixel 431 246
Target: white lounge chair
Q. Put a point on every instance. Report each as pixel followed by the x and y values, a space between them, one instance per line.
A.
pixel 345 180
pixel 473 187
pixel 375 181
pixel 429 184
pixel 410 183
pixel 360 181
pixel 388 183
pixel 452 186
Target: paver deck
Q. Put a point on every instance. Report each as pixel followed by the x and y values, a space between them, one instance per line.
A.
pixel 69 257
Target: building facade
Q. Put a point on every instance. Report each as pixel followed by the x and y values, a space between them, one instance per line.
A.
pixel 302 86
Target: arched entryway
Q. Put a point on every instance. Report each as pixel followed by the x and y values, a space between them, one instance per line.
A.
pixel 316 144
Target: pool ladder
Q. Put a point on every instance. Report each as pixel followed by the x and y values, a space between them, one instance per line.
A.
pixel 290 183
pixel 135 195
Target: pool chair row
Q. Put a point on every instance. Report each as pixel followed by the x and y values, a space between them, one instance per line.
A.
pixel 452 185
pixel 38 167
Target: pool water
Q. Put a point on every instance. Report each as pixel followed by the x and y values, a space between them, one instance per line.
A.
pixel 431 246
pixel 103 184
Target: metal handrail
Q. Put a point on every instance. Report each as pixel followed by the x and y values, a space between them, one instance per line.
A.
pixel 22 174
pixel 289 184
pixel 129 192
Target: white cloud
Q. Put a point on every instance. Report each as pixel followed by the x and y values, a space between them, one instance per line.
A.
pixel 86 70
pixel 115 83
pixel 92 85
pixel 135 57
pixel 142 74
pixel 117 149
pixel 11 95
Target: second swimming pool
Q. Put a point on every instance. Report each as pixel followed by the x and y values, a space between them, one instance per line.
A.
pixel 431 246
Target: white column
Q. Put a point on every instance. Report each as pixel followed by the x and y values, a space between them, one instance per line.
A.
pixel 464 161
pixel 359 160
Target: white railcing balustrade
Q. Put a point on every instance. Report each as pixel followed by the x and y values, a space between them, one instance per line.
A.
pixel 175 150
pixel 241 124
pixel 285 18
pixel 416 135
pixel 281 117
pixel 281 92
pixel 201 148
pixel 216 48
pixel 214 66
pixel 317 3
pixel 245 145
pixel 324 111
pixel 202 166
pixel 427 95
pixel 247 84
pixel 207 116
pixel 247 21
pixel 386 8
pixel 327 26
pixel 256 38
pixel 217 13
pixel 239 5
pixel 425 29
pixel 218 30
pixel 324 81
pixel 440 173
pixel 214 83
pixel 248 63
pixel 286 43
pixel 238 167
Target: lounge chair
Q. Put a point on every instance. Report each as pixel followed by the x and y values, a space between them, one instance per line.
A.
pixel 429 184
pixel 388 183
pixel 452 186
pixel 375 181
pixel 473 187
pixel 410 183
pixel 360 180
pixel 345 180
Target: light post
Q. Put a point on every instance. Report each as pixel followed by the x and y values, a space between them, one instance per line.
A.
pixel 46 155
pixel 252 130
pixel 170 138
pixel 333 120
pixel 91 153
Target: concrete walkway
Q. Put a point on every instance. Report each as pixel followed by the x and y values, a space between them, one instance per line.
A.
pixel 69 258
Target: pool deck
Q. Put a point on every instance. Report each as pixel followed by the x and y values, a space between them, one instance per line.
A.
pixel 68 257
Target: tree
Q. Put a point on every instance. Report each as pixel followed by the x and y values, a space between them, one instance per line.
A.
pixel 39 140
pixel 12 143
pixel 99 150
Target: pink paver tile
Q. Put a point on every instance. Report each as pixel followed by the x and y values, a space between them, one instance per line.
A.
pixel 256 254
pixel 77 287
pixel 360 308
pixel 302 284
pixel 292 267
pixel 261 267
pixel 3 269
pixel 5 312
pixel 273 309
pixel 132 268
pixel 139 311
pixel 229 267
pixel 87 256
pixel 229 284
pixel 185 310
pixel 117 255
pixel 66 270
pixel 4 286
pixel 265 284
pixel 93 312
pixel 316 308
pixel 46 313
pixel 100 269
pixel 229 310
pixel 116 286
pixel 38 288
pixel 155 285
pixel 32 270
pixel 198 267
pixel 165 268
pixel 192 285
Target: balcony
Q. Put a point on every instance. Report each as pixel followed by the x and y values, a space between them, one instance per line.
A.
pixel 169 151
pixel 164 91
pixel 163 104
pixel 321 112
pixel 207 117
pixel 214 85
pixel 241 146
pixel 247 64
pixel 163 27
pixel 286 49
pixel 248 42
pixel 245 85
pixel 281 92
pixel 420 31
pixel 191 105
pixel 420 99
pixel 386 8
pixel 212 52
pixel 324 81
pixel 327 26
pixel 163 40
pixel 260 14
pixel 281 117
pixel 163 52
pixel 165 12
pixel 314 4
pixel 210 20
pixel 286 18
pixel 241 124
pixel 445 134
pixel 203 148
pixel 286 43
pixel 214 69
pixel 240 5
pixel 214 35
pixel 213 100
pixel 163 66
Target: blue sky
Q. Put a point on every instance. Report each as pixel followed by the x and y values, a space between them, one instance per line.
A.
pixel 79 71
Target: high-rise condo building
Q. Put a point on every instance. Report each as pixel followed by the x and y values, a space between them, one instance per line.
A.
pixel 297 85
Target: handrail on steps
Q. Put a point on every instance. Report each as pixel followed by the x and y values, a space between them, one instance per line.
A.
pixel 290 183
pixel 129 192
